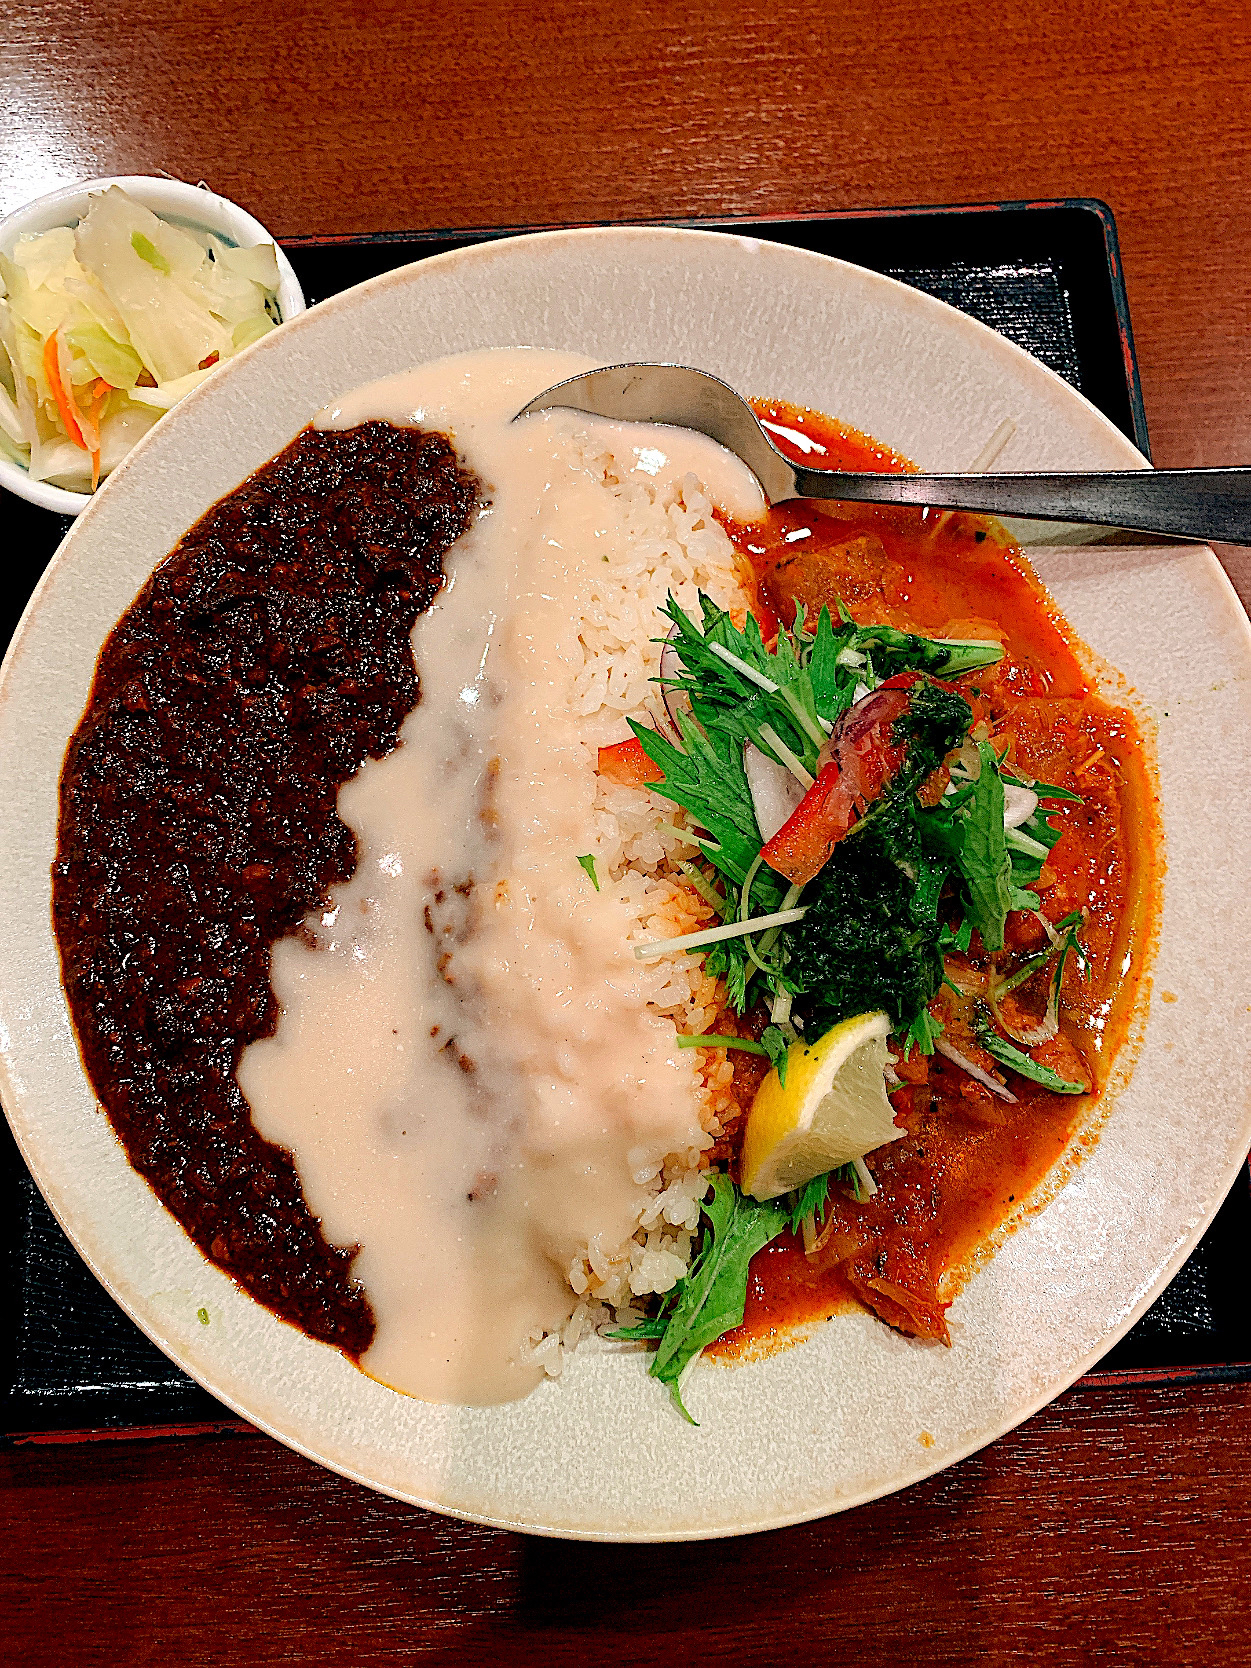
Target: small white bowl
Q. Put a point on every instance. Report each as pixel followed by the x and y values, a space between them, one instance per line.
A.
pixel 174 200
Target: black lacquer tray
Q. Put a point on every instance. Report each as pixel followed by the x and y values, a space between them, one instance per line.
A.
pixel 1047 276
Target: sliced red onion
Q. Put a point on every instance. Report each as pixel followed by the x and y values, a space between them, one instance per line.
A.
pixel 975 1072
pixel 676 701
pixel 774 791
pixel 969 760
pixel 967 980
pixel 882 706
pixel 1019 805
pixel 1027 1038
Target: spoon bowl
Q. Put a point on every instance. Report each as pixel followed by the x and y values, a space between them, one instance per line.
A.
pixel 1177 503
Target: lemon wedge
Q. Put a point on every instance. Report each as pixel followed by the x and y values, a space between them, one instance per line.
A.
pixel 834 1108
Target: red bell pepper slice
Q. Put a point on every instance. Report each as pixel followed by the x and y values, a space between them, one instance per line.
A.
pixel 863 758
pixel 627 764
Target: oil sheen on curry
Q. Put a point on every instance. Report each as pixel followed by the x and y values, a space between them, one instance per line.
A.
pixel 413 844
pixel 969 1162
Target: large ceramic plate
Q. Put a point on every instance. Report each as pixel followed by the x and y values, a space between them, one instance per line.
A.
pixel 856 1410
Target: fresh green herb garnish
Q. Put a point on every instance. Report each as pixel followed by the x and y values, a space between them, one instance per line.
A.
pixel 852 1176
pixel 777 1046
pixel 1028 849
pixel 923 1032
pixel 772 1045
pixel 723 905
pixel 811 1199
pixel 967 830
pixel 736 685
pixel 958 938
pixel 706 777
pixel 711 1299
pixel 1009 1055
pixel 784 702
pixel 870 938
pixel 905 884
pixel 1046 791
pixel 641 1332
pixel 708 1040
pixel 892 652
pixel 1064 939
pixel 588 863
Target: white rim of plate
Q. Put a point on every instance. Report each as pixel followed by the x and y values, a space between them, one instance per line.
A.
pixel 978 338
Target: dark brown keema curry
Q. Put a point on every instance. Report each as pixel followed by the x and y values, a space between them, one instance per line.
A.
pixel 265 660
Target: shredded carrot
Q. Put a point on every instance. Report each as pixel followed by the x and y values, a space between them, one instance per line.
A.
pixel 1081 769
pixel 60 393
pixel 89 422
pixel 100 391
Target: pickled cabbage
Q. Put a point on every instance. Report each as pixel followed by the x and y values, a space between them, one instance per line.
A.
pixel 106 325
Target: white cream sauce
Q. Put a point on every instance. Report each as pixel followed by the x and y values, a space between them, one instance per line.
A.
pixel 465 1069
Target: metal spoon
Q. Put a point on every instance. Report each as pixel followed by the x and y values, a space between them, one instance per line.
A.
pixel 1181 503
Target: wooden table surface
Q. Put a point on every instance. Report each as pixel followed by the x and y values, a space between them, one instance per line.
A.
pixel 1113 1526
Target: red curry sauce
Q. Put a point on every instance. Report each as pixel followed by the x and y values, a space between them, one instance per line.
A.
pixel 968 1162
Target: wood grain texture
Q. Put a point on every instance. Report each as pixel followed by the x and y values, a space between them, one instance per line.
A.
pixel 1112 1527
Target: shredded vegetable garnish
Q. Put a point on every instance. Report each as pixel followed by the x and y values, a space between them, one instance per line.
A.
pixel 950 1052
pixel 587 863
pixel 708 1040
pixel 106 325
pixel 842 759
pixel 866 1187
pixel 718 935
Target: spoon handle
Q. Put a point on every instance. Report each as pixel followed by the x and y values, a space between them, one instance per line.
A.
pixel 1182 503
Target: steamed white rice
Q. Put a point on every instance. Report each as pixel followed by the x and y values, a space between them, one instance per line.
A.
pixel 674 545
